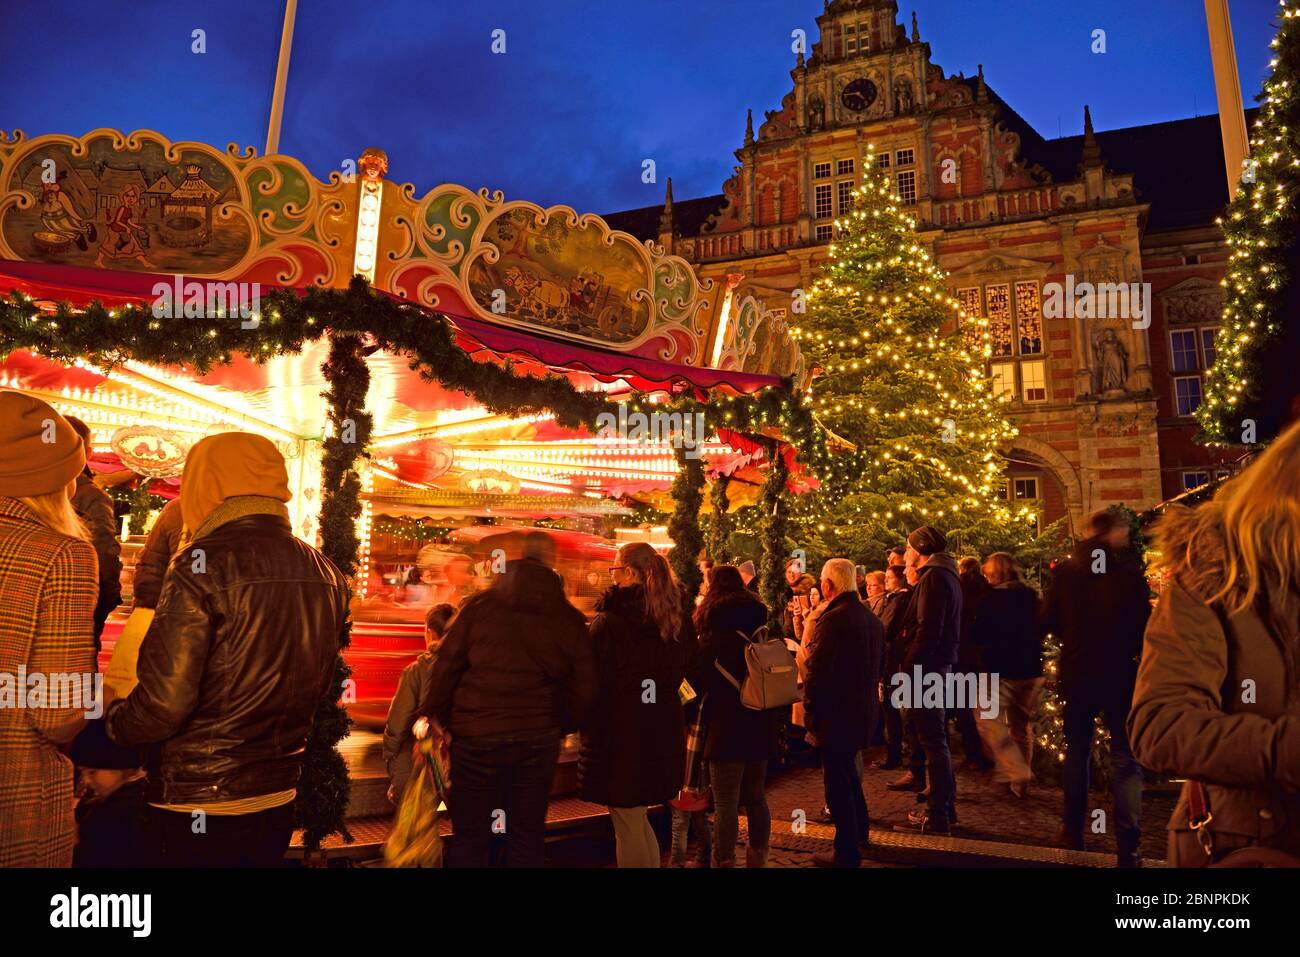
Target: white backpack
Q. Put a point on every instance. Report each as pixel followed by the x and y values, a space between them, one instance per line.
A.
pixel 771 679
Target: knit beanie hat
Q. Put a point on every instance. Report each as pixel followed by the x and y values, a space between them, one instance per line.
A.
pixel 39 451
pixel 928 540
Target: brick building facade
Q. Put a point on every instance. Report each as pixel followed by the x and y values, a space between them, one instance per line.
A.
pixel 1103 402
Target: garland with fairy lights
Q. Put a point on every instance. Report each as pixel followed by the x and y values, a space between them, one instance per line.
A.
pixel 684 525
pixel 914 399
pixel 773 504
pixel 1251 387
pixel 359 321
pixel 325 784
pixel 718 539
pixel 136 501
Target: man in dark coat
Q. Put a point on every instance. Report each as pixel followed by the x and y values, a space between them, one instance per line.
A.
pixel 840 704
pixel 936 611
pixel 95 508
pixel 514 674
pixel 1097 607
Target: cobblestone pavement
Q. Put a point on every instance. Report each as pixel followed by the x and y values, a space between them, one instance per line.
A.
pixel 987 810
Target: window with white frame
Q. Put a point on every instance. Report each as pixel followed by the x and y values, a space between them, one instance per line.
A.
pixel 1013 312
pixel 822 202
pixel 1033 376
pixel 882 160
pixel 821 170
pixel 844 197
pixel 1191 352
pixel 1209 352
pixel 1003 377
pixel 1187 394
pixel 844 167
pixel 825 232
pixel 907 186
pixel 905 157
pixel 1183 355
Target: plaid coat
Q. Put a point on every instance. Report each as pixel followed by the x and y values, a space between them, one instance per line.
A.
pixel 48 588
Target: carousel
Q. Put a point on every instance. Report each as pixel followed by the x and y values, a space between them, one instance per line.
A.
pixel 200 237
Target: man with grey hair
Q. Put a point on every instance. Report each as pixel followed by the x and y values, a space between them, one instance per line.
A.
pixel 840 705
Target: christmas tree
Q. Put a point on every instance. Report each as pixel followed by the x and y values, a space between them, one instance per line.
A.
pixel 1250 392
pixel 900 374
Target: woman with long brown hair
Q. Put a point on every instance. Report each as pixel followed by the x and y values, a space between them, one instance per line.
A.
pixel 48 586
pixel 634 744
pixel 1216 699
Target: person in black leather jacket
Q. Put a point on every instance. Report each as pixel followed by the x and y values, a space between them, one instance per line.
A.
pixel 239 656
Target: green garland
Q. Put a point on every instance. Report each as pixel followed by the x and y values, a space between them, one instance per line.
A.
pixel 348 379
pixel 138 502
pixel 109 337
pixel 325 785
pixel 773 504
pixel 720 522
pixel 684 525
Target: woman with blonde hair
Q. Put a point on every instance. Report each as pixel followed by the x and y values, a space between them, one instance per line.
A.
pixel 49 582
pixel 634 743
pixel 1216 695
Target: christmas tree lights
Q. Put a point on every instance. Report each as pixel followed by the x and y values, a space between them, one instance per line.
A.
pixel 900 371
pixel 1255 343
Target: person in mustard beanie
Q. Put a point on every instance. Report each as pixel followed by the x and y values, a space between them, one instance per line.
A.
pixel 50 582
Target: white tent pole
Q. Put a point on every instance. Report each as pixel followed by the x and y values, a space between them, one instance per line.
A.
pixel 281 78
pixel 1232 112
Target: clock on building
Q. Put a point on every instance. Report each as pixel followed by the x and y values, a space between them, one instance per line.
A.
pixel 859 95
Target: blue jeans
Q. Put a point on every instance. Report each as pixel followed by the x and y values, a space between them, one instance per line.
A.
pixel 1081 710
pixel 501 786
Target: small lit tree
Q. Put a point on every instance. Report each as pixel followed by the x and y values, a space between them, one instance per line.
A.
pixel 1248 388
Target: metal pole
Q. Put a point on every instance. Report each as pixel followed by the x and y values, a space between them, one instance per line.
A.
pixel 281 78
pixel 1232 112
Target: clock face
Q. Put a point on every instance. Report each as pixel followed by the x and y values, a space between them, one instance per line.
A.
pixel 859 95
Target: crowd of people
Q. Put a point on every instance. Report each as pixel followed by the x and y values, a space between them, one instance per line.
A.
pixel 197 755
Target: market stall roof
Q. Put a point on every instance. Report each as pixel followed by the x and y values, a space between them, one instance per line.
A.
pixel 80 286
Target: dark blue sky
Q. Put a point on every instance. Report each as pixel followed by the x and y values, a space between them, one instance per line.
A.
pixel 586 90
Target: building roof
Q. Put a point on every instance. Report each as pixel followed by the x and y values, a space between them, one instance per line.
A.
pixel 689 216
pixel 1177 167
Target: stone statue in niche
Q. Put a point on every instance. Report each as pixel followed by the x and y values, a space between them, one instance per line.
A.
pixel 903 97
pixel 816 113
pixel 1110 363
